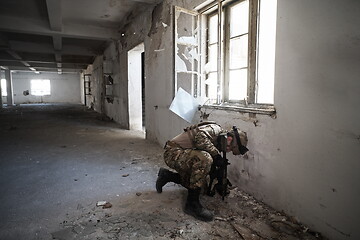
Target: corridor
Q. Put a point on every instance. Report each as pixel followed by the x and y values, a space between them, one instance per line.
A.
pixel 59 161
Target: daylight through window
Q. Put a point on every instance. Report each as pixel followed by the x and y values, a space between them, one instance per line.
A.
pixel 239 47
pixel 230 55
pixel 225 54
pixel 40 87
pixel 3 88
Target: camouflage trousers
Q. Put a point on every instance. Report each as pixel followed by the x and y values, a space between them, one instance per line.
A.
pixel 192 165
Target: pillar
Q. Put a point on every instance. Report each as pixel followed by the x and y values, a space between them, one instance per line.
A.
pixel 10 93
pixel 1 102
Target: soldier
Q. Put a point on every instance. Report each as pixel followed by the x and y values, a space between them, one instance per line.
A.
pixel 191 154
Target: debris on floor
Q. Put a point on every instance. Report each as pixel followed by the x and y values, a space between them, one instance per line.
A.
pixel 74 167
pixel 103 204
pixel 150 215
pixel 100 203
pixel 107 205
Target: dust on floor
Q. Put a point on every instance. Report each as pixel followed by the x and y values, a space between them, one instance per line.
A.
pixel 58 161
pixel 150 215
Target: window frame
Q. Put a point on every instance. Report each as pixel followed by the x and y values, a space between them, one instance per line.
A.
pixel 196 83
pixel 222 9
pixel 206 48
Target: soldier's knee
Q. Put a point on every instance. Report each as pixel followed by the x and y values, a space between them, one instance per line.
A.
pixel 203 158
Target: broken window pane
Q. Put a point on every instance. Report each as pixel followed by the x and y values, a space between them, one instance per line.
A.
pixel 180 65
pixel 187 26
pixel 187 58
pixel 194 56
pixel 194 53
pixel 184 81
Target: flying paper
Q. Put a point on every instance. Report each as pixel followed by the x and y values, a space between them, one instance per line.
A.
pixel 184 105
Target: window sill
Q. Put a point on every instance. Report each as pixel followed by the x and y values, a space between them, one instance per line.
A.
pixel 251 108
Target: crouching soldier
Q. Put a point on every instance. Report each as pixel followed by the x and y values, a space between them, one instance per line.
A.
pixel 191 154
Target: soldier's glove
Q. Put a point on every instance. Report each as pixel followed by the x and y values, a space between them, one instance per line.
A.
pixel 218 161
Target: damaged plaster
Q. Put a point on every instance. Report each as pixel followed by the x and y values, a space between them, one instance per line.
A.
pixel 312 145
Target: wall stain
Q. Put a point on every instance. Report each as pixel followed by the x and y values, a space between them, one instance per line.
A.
pixel 155 18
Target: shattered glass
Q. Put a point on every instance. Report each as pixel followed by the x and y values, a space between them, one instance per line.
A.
pixel 187 58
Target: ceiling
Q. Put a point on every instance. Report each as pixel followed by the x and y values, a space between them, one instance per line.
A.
pixel 60 35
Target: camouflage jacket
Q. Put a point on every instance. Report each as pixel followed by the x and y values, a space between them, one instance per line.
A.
pixel 202 136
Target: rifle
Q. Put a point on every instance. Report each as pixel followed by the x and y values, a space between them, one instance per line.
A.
pixel 220 172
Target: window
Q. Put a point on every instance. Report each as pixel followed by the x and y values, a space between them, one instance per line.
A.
pixel 230 47
pixel 3 88
pixel 40 87
pixel 224 54
pixel 186 47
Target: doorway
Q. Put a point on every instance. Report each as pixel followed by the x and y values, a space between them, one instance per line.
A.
pixel 136 88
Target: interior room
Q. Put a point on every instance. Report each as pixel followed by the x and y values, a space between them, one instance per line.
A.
pixel 92 90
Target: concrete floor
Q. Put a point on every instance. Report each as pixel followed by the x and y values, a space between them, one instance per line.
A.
pixel 58 161
pixel 55 158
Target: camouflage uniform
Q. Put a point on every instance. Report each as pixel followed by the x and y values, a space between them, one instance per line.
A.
pixel 191 153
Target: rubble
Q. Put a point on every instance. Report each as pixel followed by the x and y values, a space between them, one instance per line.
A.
pixel 149 215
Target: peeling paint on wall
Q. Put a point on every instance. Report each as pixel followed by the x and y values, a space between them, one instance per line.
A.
pixel 311 146
pixel 156 18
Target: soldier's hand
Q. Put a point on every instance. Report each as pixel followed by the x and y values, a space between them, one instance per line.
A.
pixel 219 161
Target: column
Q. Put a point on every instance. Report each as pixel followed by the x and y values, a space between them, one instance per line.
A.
pixel 1 102
pixel 8 77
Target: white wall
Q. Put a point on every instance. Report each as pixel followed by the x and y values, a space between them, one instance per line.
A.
pixel 304 162
pixel 65 88
pixel 318 126
pixel 118 109
pixel 134 87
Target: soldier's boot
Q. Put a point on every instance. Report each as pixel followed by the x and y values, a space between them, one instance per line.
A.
pixel 194 208
pixel 165 176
